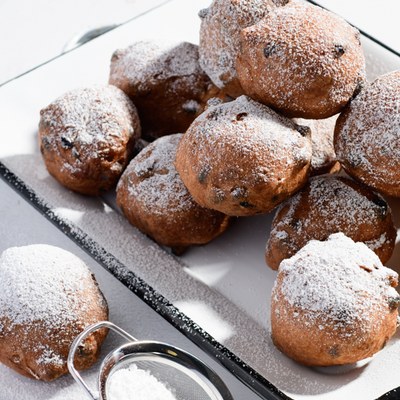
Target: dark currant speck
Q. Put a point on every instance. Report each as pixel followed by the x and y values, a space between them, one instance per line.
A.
pixel 202 175
pixel 246 204
pixel 303 130
pixel 394 303
pixel 295 223
pixel 66 143
pixel 213 115
pixel 241 116
pixel 383 206
pixel 45 143
pixel 339 50
pixel 334 351
pixel 270 49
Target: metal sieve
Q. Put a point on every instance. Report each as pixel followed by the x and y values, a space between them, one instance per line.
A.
pixel 187 377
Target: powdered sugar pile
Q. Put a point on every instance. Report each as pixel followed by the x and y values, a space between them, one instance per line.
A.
pixel 133 383
pixel 36 283
pixel 338 280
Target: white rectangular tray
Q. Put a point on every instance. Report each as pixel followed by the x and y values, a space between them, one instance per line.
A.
pixel 224 287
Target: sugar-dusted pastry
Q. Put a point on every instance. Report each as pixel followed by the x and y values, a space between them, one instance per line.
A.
pixel 367 135
pixel 165 82
pixel 47 297
pixel 301 60
pixel 220 28
pixel 86 137
pixel 241 158
pixel 154 199
pixel 333 303
pixel 323 159
pixel 326 205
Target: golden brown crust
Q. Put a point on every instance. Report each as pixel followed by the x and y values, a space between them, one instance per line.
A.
pixel 47 308
pixel 312 346
pixel 301 60
pixel 367 135
pixel 333 304
pixel 86 137
pixel 20 350
pixel 326 205
pixel 241 158
pixel 154 199
pixel 165 82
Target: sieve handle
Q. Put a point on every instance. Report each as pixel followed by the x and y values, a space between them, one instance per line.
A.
pixel 74 347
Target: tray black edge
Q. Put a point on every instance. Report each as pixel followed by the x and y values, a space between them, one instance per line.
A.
pixel 150 296
pixel 146 293
pixel 367 35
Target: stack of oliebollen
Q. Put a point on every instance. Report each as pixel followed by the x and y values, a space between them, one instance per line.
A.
pixel 263 113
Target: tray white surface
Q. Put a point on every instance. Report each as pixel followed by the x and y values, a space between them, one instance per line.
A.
pixel 27 226
pixel 223 286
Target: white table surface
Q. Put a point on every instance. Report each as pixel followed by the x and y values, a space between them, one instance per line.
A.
pixel 34 32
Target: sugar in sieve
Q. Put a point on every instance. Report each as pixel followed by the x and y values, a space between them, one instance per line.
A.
pixel 185 375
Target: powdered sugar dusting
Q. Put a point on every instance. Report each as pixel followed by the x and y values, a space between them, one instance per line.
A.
pixel 339 280
pixel 37 282
pixel 146 62
pixel 336 200
pixel 299 382
pixel 312 60
pixel 48 356
pixel 89 122
pixel 333 204
pixel 247 128
pixel 159 187
pixel 219 36
pixel 367 137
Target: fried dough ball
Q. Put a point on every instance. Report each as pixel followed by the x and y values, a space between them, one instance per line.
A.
pixel 367 135
pixel 333 303
pixel 86 137
pixel 326 205
pixel 241 158
pixel 165 82
pixel 154 199
pixel 301 60
pixel 47 297
pixel 220 28
pixel 323 159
